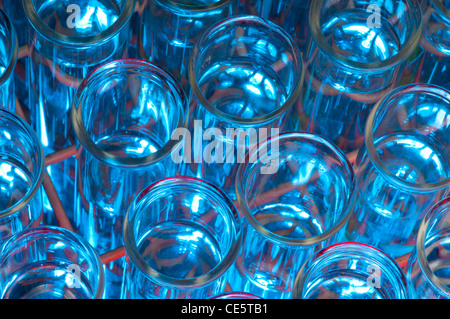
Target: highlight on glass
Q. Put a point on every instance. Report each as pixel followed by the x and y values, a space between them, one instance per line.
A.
pixel 21 176
pixel 123 116
pixel 290 214
pixel 350 271
pixel 67 41
pixel 432 63
pixel 245 75
pixel 403 168
pixel 170 28
pixel 357 54
pixel 181 237
pixel 9 51
pixel 49 262
pixel 236 295
pixel 429 265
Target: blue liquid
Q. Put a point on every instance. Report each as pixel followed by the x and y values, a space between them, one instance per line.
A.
pixel 388 216
pixel 180 249
pixel 48 280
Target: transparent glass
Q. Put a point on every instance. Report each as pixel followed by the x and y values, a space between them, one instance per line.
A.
pixel 245 75
pixel 49 262
pixel 21 176
pixel 291 15
pixel 170 28
pixel 294 201
pixel 123 116
pixel 403 169
pixel 236 295
pixel 14 11
pixel 357 53
pixel 350 271
pixel 181 236
pixel 428 269
pixel 68 39
pixel 431 63
pixel 9 50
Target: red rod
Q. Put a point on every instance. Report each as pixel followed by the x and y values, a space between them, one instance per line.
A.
pixel 55 201
pixel 60 155
pixel 113 255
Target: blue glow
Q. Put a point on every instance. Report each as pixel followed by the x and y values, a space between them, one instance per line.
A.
pixel 195 203
pixel 253 89
pixel 5 169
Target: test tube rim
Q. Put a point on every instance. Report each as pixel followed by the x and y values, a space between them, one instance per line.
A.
pixel 14 48
pixel 40 164
pixel 78 42
pixel 439 208
pixel 362 67
pixel 346 248
pixel 56 231
pixel 196 8
pixel 420 88
pixel 92 148
pixel 267 118
pixel 248 216
pixel 153 275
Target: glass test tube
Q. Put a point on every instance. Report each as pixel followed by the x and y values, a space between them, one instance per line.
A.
pixel 123 115
pixel 245 74
pixel 9 50
pixel 350 271
pixel 170 28
pixel 68 39
pixel 432 63
pixel 428 267
pixel 357 53
pixel 21 176
pixel 181 237
pixel 50 262
pixel 291 15
pixel 294 201
pixel 14 11
pixel 236 295
pixel 403 168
